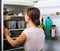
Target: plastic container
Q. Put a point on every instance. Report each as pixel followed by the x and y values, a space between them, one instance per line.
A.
pixel 48 24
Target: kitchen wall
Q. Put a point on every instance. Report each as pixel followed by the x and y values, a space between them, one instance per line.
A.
pixel 49 10
pixel 48 7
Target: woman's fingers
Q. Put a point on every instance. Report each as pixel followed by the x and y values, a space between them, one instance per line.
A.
pixel 6 31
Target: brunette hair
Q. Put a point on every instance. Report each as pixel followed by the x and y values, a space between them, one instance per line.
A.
pixel 34 14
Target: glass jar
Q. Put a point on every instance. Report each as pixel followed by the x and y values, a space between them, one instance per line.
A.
pixel 53 32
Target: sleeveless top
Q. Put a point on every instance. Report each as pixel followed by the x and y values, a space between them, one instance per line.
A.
pixel 35 39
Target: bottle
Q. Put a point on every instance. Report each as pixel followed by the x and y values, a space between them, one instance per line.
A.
pixel 53 32
pixel 17 25
pixel 5 11
pixel 42 24
pixel 48 24
pixel 13 34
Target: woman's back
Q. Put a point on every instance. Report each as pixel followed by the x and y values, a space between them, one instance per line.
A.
pixel 35 39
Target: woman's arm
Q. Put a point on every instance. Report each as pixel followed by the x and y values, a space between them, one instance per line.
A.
pixel 16 42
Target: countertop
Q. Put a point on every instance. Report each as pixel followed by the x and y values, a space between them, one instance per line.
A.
pixel 52 46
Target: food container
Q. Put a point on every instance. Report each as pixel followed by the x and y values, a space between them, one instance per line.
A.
pixel 11 24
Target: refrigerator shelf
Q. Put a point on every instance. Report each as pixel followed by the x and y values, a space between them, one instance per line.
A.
pixel 16 29
pixel 15 49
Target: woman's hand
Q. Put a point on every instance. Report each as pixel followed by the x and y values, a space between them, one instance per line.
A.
pixel 6 31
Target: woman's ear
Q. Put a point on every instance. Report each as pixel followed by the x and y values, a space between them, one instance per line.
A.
pixel 27 18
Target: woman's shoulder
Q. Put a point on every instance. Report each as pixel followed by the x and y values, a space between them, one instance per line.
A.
pixel 26 29
pixel 30 29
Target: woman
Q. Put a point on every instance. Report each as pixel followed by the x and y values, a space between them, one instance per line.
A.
pixel 33 37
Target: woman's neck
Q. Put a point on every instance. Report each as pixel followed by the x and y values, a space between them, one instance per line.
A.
pixel 31 24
